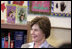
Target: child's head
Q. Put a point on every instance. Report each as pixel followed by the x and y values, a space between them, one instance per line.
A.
pixel 22 17
pixel 10 12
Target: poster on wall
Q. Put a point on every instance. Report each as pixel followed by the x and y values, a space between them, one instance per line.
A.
pixel 20 3
pixel 40 7
pixel 11 14
pixel 21 17
pixel 3 11
pixel 61 8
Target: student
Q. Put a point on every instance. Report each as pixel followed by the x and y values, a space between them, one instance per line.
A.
pixel 40 31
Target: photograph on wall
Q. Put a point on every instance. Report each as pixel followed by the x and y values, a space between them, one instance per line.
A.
pixel 21 17
pixel 61 8
pixel 11 14
pixel 40 7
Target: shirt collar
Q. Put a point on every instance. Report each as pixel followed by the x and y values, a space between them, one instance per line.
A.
pixel 43 45
pixel 31 45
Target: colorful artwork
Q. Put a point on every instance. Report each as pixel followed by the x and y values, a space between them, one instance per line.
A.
pixel 21 3
pixel 18 2
pixel 21 15
pixel 11 13
pixel 61 8
pixel 3 11
pixel 40 7
pixel 3 7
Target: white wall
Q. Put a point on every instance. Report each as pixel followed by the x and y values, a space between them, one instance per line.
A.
pixel 64 22
pixel 59 36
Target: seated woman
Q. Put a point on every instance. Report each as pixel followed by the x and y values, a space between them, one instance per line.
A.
pixel 40 31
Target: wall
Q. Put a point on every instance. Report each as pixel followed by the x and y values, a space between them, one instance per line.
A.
pixel 59 36
pixel 64 22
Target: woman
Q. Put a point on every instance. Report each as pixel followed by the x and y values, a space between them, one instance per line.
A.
pixel 40 31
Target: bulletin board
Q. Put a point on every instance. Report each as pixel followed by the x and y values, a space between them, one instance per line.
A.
pixel 40 7
pixel 61 8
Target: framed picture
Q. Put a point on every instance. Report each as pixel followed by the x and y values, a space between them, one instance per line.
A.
pixel 11 14
pixel 61 8
pixel 40 7
pixel 21 16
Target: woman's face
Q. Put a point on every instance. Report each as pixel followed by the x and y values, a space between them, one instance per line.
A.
pixel 36 33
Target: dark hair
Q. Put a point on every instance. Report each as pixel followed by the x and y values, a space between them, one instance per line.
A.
pixel 44 24
pixel 20 17
pixel 10 13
